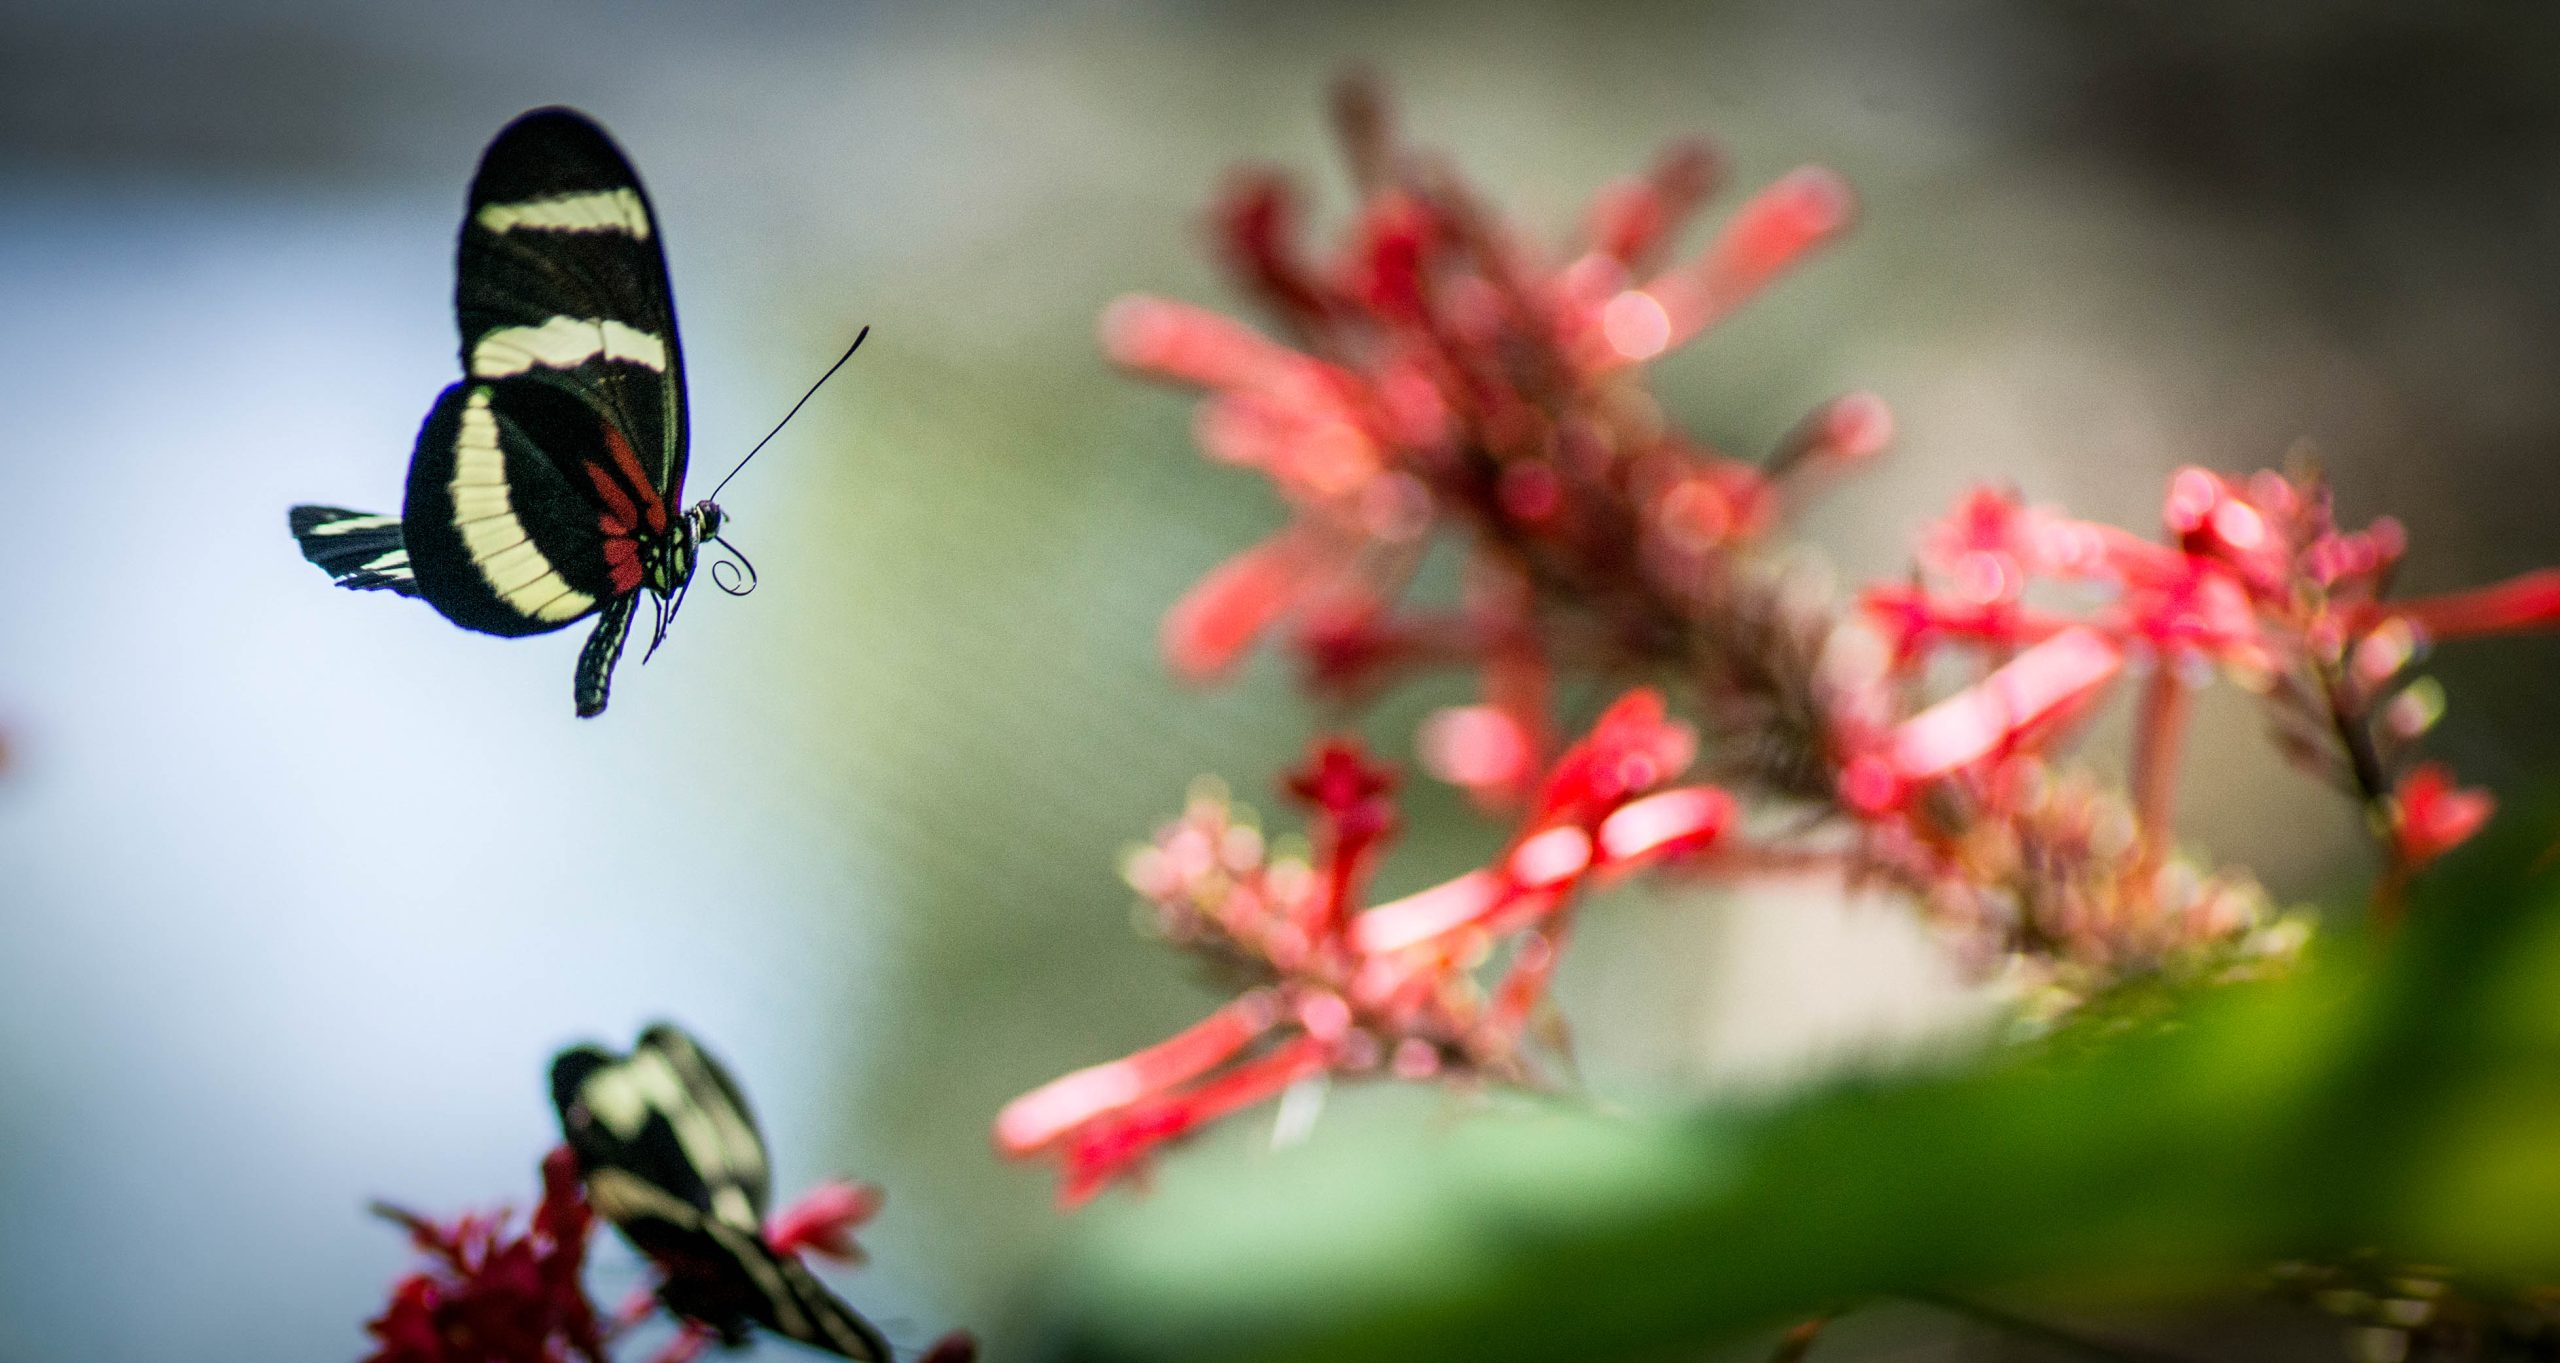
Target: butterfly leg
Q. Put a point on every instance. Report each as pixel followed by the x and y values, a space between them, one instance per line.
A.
pixel 604 649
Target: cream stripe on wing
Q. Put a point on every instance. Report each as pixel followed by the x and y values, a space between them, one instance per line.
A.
pixel 496 539
pixel 564 343
pixel 728 1136
pixel 606 210
pixel 625 1097
pixel 352 524
pixel 748 1248
pixel 623 1198
pixel 697 1133
pixel 478 503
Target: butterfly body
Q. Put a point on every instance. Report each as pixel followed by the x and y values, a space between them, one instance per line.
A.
pixel 544 487
pixel 673 1159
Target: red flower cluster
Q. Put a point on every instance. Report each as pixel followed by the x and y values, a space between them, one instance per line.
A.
pixel 2257 582
pixel 1439 375
pixel 1341 988
pixel 487 1296
pixel 1442 368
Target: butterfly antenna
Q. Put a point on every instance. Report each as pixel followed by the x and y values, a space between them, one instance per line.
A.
pixel 795 410
pixel 741 576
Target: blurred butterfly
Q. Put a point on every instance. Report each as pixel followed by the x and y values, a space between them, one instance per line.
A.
pixel 545 485
pixel 671 1157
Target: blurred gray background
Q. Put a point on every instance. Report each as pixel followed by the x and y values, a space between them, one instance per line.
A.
pixel 300 889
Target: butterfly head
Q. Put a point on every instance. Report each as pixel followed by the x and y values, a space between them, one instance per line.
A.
pixel 702 523
pixel 670 576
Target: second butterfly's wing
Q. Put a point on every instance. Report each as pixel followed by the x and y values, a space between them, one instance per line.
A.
pixel 725 1277
pixel 671 1156
pixel 670 1115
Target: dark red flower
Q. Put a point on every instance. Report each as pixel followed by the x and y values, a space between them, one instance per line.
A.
pixel 489 1296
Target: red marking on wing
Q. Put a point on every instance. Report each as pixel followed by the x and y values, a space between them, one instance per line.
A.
pixel 620 445
pixel 622 560
pixel 619 515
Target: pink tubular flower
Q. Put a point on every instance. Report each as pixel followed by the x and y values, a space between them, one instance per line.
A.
pixel 1771 231
pixel 2257 581
pixel 823 1221
pixel 487 1296
pixel 1997 711
pixel 1346 989
pixel 2333 654
pixel 2527 601
pixel 1220 617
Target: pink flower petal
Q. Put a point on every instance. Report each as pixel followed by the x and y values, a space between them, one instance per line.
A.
pixel 2527 601
pixel 1979 720
pixel 1044 1114
pixel 1419 917
pixel 1770 232
pixel 2431 817
pixel 1219 618
pixel 1188 344
pixel 1683 820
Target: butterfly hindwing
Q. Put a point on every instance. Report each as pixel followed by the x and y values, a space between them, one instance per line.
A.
pixel 500 537
pixel 360 550
pixel 671 1156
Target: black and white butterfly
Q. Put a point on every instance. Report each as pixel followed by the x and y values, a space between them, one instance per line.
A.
pixel 671 1157
pixel 545 485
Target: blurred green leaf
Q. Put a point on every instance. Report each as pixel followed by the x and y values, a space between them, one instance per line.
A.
pixel 2408 1100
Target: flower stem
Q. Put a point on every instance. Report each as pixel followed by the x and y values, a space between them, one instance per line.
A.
pixel 2159 731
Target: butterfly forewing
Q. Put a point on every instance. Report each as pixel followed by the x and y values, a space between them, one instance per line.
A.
pixel 562 271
